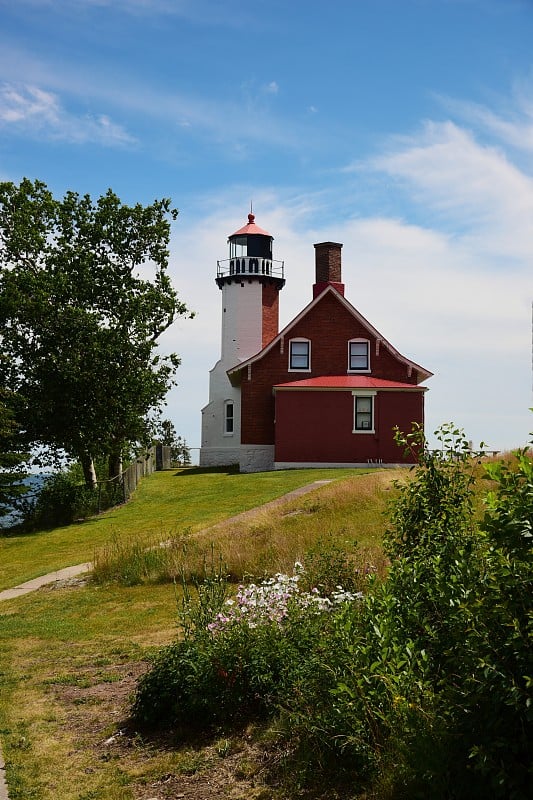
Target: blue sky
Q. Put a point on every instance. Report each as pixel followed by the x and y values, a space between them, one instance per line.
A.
pixel 401 128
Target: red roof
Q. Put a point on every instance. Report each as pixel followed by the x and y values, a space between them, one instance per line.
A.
pixel 251 227
pixel 349 382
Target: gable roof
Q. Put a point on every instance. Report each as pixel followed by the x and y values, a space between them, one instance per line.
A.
pixel 424 373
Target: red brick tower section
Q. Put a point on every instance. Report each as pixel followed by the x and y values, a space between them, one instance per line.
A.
pixel 328 267
pixel 270 312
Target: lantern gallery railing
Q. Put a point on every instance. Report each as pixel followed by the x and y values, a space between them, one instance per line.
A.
pixel 250 265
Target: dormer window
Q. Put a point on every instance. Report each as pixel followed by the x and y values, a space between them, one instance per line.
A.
pixel 300 355
pixel 359 355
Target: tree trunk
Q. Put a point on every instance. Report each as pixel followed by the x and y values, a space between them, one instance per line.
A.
pixel 89 472
pixel 115 465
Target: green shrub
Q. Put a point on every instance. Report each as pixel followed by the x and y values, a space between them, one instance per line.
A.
pixel 61 501
pixel 488 697
pixel 328 565
pixel 238 659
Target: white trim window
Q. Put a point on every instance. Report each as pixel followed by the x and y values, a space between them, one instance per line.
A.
pixel 299 355
pixel 363 412
pixel 229 420
pixel 358 355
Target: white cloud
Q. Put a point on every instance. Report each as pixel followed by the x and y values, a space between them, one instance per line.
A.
pixel 36 112
pixel 25 104
pixel 272 88
pixel 213 116
pixel 512 125
pixel 474 185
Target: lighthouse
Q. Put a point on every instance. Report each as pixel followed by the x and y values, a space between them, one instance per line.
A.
pixel 250 281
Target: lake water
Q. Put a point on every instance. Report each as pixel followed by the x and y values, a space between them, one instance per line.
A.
pixel 34 482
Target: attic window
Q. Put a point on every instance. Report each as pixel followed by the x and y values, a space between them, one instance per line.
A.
pixel 300 355
pixel 359 355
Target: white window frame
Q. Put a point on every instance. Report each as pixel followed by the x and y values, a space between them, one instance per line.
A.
pixel 360 394
pixel 356 369
pixel 227 418
pixel 300 340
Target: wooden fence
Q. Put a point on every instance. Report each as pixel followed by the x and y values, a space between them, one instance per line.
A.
pixel 157 458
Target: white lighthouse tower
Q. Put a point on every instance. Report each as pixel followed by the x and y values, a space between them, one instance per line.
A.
pixel 250 281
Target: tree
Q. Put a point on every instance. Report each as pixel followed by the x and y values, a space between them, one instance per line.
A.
pixel 179 453
pixel 78 324
pixel 12 459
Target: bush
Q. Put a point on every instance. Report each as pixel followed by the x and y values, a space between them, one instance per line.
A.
pixel 61 501
pixel 237 659
pixel 489 698
pixel 328 565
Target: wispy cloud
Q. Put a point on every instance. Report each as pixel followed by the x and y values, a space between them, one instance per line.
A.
pixel 229 13
pixel 36 112
pixel 489 199
pixel 512 124
pixel 211 115
pixel 272 88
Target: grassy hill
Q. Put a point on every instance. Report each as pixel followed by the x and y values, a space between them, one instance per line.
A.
pixel 70 654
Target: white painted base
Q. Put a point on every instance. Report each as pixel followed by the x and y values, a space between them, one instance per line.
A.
pixel 256 458
pixel 219 456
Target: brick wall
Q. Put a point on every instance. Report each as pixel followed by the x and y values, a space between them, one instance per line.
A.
pixel 270 312
pixel 329 326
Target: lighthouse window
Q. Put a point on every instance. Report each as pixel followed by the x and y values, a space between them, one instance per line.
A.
pixel 238 247
pixel 228 417
pixel 300 354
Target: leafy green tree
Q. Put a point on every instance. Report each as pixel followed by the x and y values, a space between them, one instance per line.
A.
pixel 12 459
pixel 84 297
pixel 180 453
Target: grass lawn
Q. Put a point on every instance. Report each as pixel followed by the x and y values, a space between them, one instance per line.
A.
pixel 164 504
pixel 68 662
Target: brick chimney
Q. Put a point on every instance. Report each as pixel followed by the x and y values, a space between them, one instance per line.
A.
pixel 328 269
